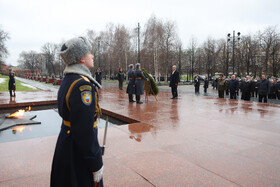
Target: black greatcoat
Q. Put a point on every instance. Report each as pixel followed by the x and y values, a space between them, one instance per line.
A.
pixel 77 153
pixel 130 89
pixel 98 77
pixel 264 87
pixel 12 85
pixel 246 90
pixel 139 89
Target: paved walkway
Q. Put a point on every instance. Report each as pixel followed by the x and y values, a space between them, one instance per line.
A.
pixel 41 85
pixel 191 141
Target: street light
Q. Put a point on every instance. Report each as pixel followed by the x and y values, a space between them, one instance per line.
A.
pixel 99 53
pixel 229 38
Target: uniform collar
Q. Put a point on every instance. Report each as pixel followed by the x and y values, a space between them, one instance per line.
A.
pixel 81 70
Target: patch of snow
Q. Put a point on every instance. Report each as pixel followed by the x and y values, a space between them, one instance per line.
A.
pixel 2 80
pixel 28 85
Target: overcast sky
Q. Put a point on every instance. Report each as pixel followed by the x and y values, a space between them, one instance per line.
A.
pixel 32 23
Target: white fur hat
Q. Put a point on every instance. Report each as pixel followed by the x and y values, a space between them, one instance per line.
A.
pixel 74 49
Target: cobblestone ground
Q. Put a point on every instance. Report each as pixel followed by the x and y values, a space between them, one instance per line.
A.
pixel 189 89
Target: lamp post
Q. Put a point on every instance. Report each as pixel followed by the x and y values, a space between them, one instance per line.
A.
pixel 138 43
pixel 98 53
pixel 227 59
pixel 229 38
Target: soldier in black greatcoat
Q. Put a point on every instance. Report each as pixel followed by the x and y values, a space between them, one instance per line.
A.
pixel 12 84
pixel 130 89
pixel 174 81
pixel 246 89
pixel 139 89
pixel 77 159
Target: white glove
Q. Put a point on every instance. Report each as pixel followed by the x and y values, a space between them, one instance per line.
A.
pixel 97 176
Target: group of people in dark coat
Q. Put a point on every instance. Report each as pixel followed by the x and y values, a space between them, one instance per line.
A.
pixel 135 83
pixel 262 88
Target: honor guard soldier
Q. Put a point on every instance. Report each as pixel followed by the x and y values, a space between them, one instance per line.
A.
pixel 139 89
pixel 77 159
pixel 130 90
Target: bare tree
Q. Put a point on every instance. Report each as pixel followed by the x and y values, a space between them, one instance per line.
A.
pixel 268 38
pixel 49 51
pixel 4 36
pixel 153 39
pixel 30 60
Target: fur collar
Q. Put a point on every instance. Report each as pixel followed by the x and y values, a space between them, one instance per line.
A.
pixel 81 70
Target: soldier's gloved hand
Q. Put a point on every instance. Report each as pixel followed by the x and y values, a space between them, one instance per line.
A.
pixel 97 176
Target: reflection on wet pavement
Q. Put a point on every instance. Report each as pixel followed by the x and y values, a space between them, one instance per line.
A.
pixel 194 140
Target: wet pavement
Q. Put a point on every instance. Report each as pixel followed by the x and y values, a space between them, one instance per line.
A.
pixel 189 89
pixel 190 141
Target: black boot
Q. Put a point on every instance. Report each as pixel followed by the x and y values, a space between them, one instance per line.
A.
pixel 130 98
pixel 138 99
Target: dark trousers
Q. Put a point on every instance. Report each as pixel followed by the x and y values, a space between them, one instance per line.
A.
pixel 246 96
pixel 221 93
pixel 138 98
pixel 174 91
pixel 11 93
pixel 130 97
pixel 120 85
pixel 205 90
pixel 278 95
pixel 264 97
pixel 233 95
pixel 196 89
pixel 227 92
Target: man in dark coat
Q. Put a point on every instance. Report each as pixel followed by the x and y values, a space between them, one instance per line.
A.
pixel 120 78
pixel 98 75
pixel 272 90
pixel 174 80
pixel 77 159
pixel 257 86
pixel 253 87
pixel 139 89
pixel 196 84
pixel 246 89
pixel 233 87
pixel 12 84
pixel 277 89
pixel 221 87
pixel 130 89
pixel 206 84
pixel 263 89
